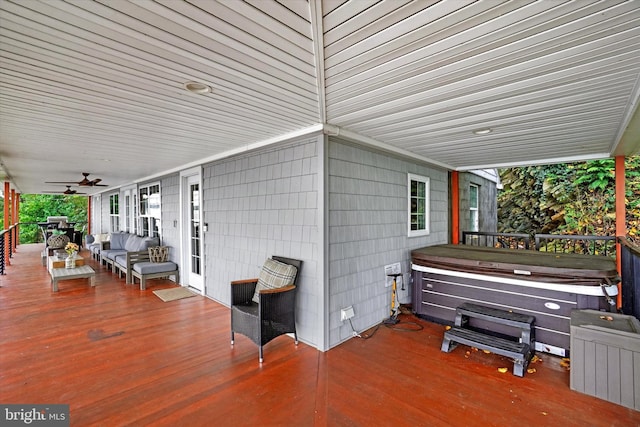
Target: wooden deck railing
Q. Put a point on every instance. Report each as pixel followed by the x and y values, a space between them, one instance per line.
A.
pixel 496 240
pixel 587 245
pixel 556 243
pixel 7 244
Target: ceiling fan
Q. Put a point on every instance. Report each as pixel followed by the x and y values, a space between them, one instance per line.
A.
pixel 84 182
pixel 67 192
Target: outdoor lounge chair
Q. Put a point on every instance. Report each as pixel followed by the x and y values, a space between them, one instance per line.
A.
pixel 264 308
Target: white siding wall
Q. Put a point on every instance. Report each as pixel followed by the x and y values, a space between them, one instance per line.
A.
pixel 368 230
pixel 170 226
pixel 487 201
pixel 267 203
pixel 261 204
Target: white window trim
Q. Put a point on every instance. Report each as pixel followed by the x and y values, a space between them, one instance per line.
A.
pixel 426 181
pixel 475 227
pixel 140 216
pixel 113 216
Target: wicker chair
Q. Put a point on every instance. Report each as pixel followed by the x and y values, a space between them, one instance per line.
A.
pixel 274 313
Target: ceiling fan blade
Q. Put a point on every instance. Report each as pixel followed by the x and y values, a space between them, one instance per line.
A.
pixel 85 182
pixel 67 192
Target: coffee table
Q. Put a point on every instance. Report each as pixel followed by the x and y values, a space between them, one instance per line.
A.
pixel 57 262
pixel 81 272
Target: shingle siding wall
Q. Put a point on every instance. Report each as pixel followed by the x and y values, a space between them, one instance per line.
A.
pixel 170 226
pixel 368 230
pixel 262 204
pixel 487 203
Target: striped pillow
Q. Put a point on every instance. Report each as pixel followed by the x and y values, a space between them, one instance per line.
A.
pixel 274 275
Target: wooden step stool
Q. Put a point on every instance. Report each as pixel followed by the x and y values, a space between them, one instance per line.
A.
pixel 521 352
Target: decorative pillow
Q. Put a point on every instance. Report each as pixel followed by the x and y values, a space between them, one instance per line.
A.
pixel 274 275
pixel 97 238
pixel 159 253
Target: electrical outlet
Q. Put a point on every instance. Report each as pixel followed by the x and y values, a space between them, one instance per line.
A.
pixel 391 269
pixel 346 313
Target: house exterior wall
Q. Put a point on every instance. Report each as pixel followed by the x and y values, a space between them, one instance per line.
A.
pixel 170 216
pixel 261 204
pixel 487 202
pixel 341 208
pixel 368 227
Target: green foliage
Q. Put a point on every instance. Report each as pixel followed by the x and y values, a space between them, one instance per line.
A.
pixel 572 198
pixel 37 207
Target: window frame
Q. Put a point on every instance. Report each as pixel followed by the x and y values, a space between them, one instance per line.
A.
pixel 426 181
pixel 114 212
pixel 143 211
pixel 474 219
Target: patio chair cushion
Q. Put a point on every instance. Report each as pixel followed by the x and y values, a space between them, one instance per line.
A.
pixel 154 267
pixel 274 275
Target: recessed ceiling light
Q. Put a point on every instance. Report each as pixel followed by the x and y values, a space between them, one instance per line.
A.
pixel 196 87
pixel 483 131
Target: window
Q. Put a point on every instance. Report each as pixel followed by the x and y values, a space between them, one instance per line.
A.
pixel 474 190
pixel 418 196
pixel 114 213
pixel 150 208
pixel 129 209
pixel 127 212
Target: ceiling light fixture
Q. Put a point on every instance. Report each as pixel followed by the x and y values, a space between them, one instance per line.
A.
pixel 483 131
pixel 199 88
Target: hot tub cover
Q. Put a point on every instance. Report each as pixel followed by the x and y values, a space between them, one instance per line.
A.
pixel 523 264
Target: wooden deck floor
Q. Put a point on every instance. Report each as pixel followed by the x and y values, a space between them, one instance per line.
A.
pixel 120 356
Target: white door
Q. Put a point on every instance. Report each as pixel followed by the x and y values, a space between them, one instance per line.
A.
pixel 192 233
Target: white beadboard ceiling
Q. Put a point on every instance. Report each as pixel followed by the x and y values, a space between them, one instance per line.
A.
pixel 97 86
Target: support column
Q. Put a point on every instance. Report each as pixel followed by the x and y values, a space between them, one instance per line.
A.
pixel 455 208
pixel 14 218
pixel 621 220
pixel 17 211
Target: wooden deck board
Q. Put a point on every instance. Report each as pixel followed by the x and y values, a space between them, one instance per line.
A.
pixel 121 356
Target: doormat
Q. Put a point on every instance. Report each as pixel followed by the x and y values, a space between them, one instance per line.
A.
pixel 173 294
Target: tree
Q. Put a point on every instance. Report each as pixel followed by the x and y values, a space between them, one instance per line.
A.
pixel 36 208
pixel 572 198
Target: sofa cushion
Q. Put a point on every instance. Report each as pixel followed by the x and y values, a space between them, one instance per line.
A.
pixel 274 275
pixel 138 243
pixel 117 241
pixel 111 254
pixel 121 260
pixel 148 267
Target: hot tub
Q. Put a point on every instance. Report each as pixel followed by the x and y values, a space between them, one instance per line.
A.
pixel 545 285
